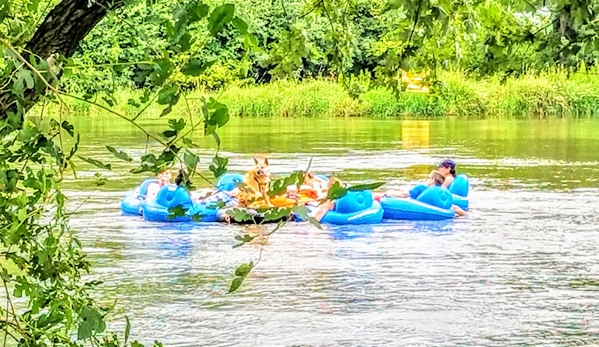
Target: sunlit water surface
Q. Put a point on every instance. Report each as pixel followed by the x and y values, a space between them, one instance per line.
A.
pixel 522 269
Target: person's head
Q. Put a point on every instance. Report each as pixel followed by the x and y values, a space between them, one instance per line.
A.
pixel 447 166
pixel 435 178
pixel 165 177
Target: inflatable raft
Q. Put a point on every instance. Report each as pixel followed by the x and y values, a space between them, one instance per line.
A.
pixel 171 196
pixel 434 203
pixel 131 204
pixel 459 188
pixel 354 208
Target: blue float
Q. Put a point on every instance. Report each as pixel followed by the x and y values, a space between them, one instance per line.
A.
pixel 435 203
pixel 171 196
pixel 228 181
pixel 132 203
pixel 460 188
pixel 354 208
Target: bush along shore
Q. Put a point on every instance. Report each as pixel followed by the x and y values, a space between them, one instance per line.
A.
pixel 550 94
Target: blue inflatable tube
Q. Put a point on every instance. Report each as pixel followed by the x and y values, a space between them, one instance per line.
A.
pixel 370 215
pixel 171 196
pixel 228 181
pixel 355 208
pixel 132 203
pixel 433 204
pixel 461 202
pixel 460 188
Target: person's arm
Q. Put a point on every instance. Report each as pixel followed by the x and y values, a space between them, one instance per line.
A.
pixel 458 210
pixel 447 181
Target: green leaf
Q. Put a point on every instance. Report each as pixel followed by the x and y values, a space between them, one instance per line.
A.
pixel 177 211
pixel 127 330
pixel 195 67
pixel 220 117
pixel 169 94
pixel 336 192
pixel 189 143
pixel 302 211
pixel 367 186
pixel 191 160
pixel 91 323
pixel 196 11
pixel 244 239
pixel 166 111
pixel 237 281
pixel 28 132
pixel 119 154
pixel 314 222
pixel 133 103
pixel 239 215
pixel 218 166
pixel 69 128
pixel 176 125
pixel 197 217
pixel 216 138
pixel 279 186
pixel 240 25
pixel 244 269
pixel 169 133
pixel 220 17
pixel 277 213
pixel 96 163
pixel 4 8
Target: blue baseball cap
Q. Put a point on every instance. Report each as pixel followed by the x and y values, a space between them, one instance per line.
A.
pixel 447 163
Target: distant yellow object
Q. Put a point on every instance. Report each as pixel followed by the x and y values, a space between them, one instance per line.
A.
pixel 414 82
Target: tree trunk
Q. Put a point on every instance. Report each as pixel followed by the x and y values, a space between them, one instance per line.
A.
pixel 60 33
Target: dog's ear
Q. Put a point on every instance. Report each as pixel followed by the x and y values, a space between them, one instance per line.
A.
pixel 265 161
pixel 255 160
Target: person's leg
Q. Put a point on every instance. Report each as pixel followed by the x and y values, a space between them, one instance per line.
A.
pixel 323 209
pixel 458 210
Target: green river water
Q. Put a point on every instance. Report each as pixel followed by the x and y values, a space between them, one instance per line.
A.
pixel 522 269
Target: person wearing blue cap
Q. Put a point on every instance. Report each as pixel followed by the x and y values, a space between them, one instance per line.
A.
pixel 447 169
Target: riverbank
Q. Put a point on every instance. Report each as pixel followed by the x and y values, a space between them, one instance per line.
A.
pixel 551 94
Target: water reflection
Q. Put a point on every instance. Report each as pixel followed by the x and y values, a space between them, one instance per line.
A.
pixel 415 134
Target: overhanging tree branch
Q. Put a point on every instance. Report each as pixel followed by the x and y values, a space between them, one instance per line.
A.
pixel 59 34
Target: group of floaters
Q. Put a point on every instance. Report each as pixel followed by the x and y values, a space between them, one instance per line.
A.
pixel 444 195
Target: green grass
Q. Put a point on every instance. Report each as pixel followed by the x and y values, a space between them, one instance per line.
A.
pixel 549 94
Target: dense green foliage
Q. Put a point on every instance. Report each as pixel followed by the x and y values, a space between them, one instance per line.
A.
pixel 298 39
pixel 162 49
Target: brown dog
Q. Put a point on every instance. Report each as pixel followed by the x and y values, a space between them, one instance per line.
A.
pixel 257 184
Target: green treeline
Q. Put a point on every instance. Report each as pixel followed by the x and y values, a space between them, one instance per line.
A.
pixel 546 95
pixel 491 58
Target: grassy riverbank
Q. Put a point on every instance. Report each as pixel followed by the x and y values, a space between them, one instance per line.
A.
pixel 547 95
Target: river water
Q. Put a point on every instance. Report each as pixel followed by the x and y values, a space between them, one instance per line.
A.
pixel 522 269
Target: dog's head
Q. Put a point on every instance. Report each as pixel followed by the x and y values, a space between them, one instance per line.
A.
pixel 261 169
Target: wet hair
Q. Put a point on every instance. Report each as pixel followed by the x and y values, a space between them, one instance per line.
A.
pixel 450 164
pixel 437 177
